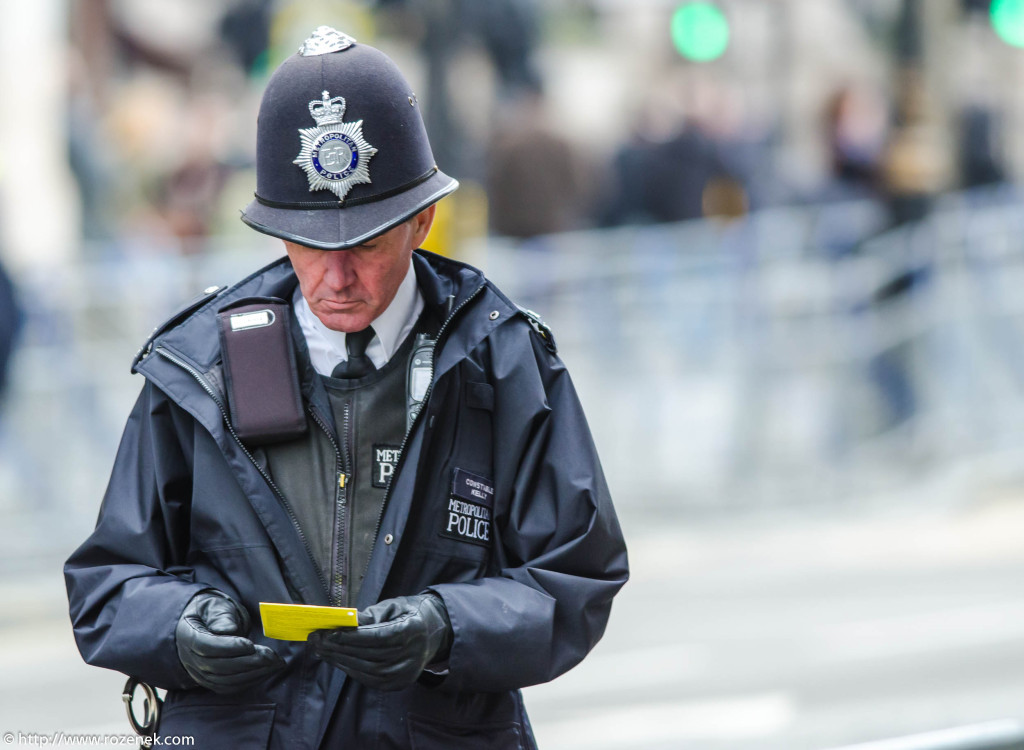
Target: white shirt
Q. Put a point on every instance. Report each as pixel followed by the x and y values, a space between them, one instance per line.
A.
pixel 327 346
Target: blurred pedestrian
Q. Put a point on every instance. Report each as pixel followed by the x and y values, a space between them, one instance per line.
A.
pixel 667 171
pixel 10 324
pixel 857 129
pixel 536 182
pixel 981 152
pixel 852 200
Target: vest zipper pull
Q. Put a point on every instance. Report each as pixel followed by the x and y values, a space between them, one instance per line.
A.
pixel 341 480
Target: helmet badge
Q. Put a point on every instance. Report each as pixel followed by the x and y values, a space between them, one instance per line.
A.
pixel 334 154
pixel 325 40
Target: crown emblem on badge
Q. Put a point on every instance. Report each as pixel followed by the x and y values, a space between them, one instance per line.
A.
pixel 327 111
pixel 334 154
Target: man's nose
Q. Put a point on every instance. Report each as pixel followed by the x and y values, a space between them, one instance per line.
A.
pixel 338 271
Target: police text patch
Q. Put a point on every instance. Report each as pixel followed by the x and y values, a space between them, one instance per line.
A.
pixel 385 459
pixel 468 515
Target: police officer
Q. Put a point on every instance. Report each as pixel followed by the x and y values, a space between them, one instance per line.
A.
pixel 358 424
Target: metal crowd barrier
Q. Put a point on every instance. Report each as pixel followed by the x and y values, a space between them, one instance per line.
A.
pixel 783 359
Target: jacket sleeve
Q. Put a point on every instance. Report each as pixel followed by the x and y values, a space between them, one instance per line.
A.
pixel 127 584
pixel 561 549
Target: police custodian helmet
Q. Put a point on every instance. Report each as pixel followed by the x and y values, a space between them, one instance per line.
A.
pixel 341 150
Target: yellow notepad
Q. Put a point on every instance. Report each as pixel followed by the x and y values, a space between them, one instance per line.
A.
pixel 294 622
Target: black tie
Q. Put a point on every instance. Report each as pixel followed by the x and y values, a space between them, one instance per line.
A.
pixel 357 364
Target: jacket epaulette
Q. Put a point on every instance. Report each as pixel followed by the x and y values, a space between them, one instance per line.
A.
pixel 177 317
pixel 541 328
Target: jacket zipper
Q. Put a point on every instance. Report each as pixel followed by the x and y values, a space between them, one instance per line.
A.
pixel 344 507
pixel 198 376
pixel 340 545
pixel 416 419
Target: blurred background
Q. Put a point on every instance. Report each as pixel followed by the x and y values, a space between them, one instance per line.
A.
pixel 778 242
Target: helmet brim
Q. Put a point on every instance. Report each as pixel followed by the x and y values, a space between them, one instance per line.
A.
pixel 347 226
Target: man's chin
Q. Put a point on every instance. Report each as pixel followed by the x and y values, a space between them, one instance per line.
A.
pixel 345 320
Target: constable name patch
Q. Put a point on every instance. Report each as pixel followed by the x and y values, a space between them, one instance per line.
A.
pixel 473 488
pixel 385 459
pixel 468 515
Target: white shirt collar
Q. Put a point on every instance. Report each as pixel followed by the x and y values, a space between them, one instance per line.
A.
pixel 327 346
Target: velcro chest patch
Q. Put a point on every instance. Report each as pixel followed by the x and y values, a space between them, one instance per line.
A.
pixel 470 506
pixel 385 459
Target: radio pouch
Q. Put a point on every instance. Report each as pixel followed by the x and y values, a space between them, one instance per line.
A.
pixel 260 374
pixel 417 381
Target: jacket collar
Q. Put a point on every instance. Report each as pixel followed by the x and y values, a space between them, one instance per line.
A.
pixel 454 287
pixel 444 284
pixel 193 343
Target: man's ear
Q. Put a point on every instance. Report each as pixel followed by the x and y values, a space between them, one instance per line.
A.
pixel 421 224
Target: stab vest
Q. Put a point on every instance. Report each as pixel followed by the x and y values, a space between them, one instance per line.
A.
pixel 335 476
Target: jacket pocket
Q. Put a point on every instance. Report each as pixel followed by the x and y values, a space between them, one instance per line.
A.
pixel 219 726
pixel 480 395
pixel 474 430
pixel 426 734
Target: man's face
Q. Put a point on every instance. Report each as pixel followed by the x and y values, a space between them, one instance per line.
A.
pixel 348 289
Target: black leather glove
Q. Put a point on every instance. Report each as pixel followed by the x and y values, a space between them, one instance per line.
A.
pixel 396 639
pixel 211 654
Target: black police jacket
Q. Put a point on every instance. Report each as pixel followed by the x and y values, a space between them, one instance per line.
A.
pixel 189 507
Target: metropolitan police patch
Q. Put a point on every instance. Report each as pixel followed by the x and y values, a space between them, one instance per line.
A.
pixel 334 154
pixel 469 509
pixel 385 459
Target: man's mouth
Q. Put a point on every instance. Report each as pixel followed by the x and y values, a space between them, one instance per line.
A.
pixel 340 305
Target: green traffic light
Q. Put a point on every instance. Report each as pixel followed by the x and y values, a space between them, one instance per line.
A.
pixel 1008 21
pixel 700 31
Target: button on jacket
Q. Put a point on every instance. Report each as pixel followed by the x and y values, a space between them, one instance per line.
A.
pixel 190 507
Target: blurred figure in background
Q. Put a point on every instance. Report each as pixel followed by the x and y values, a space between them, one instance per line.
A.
pixel 10 323
pixel 680 162
pixel 141 77
pixel 852 200
pixel 245 28
pixel 188 198
pixel 510 31
pixel 981 150
pixel 535 179
pixel 856 126
pixel 661 173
